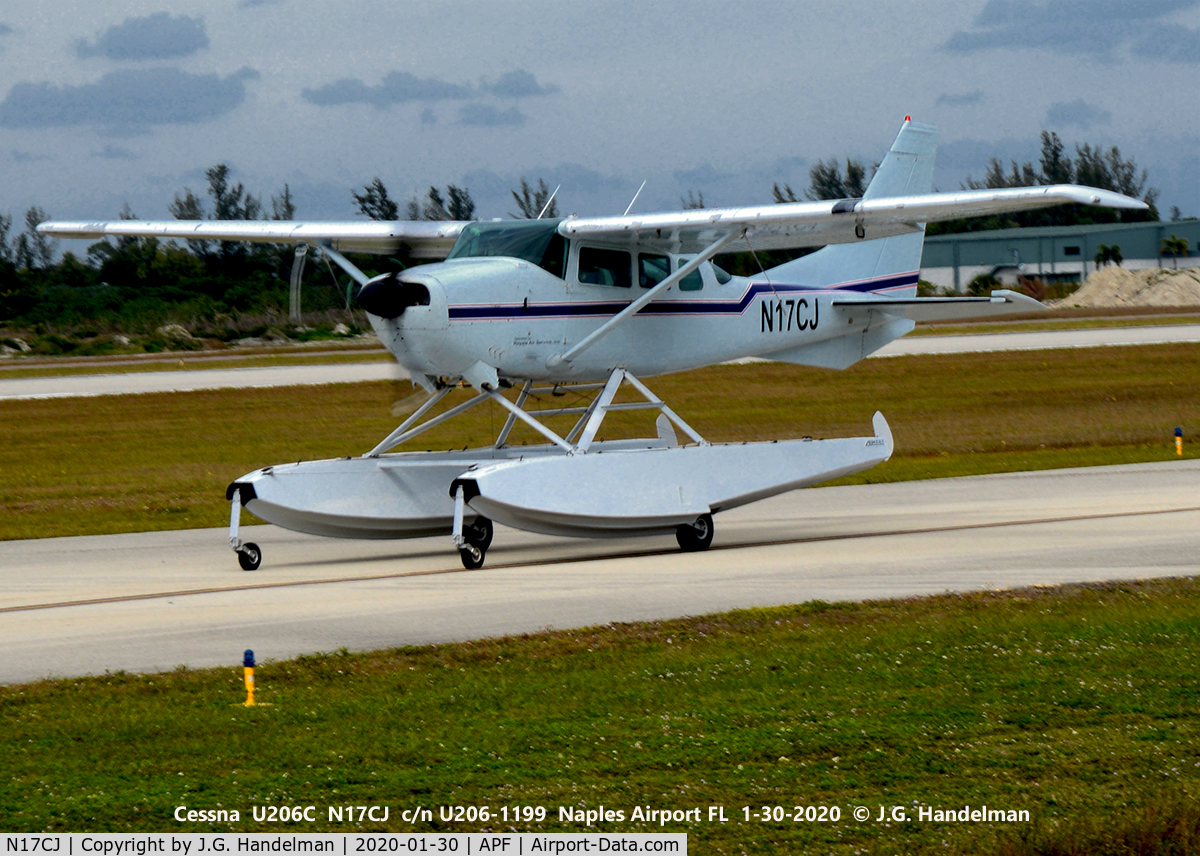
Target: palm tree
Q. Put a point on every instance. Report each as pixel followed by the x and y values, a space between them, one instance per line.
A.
pixel 1175 247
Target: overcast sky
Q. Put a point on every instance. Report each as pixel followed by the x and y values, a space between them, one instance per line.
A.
pixel 107 103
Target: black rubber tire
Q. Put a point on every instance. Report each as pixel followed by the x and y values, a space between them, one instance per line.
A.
pixel 249 557
pixel 695 537
pixel 479 533
pixel 472 557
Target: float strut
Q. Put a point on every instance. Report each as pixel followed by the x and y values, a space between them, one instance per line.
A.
pixel 459 540
pixel 235 518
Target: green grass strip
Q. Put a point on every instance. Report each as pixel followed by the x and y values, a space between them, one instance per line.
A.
pixel 1075 704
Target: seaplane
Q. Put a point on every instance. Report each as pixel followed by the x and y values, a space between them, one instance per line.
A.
pixel 520 310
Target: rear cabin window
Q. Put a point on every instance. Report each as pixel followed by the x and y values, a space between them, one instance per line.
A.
pixel 691 282
pixel 605 267
pixel 652 270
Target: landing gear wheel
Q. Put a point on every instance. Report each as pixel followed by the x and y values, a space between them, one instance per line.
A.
pixel 249 557
pixel 695 537
pixel 479 533
pixel 472 557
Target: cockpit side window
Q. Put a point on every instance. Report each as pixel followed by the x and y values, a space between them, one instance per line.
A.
pixel 691 282
pixel 555 259
pixel 652 269
pixel 605 267
pixel 533 241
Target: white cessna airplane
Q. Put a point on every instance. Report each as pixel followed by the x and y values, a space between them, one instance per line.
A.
pixel 595 303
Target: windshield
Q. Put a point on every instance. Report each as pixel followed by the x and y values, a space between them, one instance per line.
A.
pixel 535 241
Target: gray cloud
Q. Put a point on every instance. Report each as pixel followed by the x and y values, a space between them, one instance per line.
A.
pixel 428 117
pixel 701 176
pixel 254 4
pixel 1098 28
pixel 397 87
pixel 587 180
pixel 1172 44
pixel 1078 113
pixel 126 100
pixel 157 36
pixel 960 99
pixel 115 153
pixel 517 84
pixel 5 29
pixel 27 157
pixel 487 116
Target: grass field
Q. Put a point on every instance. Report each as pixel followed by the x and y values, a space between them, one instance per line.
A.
pixel 1080 705
pixel 144 462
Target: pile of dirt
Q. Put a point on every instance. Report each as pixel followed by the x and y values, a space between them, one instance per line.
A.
pixel 1115 286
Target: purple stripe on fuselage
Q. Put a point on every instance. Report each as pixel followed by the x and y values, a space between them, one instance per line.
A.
pixel 513 311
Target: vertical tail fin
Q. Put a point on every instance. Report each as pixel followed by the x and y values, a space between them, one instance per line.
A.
pixel 894 263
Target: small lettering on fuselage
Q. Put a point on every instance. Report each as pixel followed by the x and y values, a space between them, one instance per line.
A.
pixel 783 316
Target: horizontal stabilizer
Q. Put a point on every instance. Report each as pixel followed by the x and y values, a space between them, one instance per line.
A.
pixel 1001 302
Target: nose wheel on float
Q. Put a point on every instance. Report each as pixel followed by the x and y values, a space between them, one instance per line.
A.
pixel 249 554
pixel 477 537
pixel 695 537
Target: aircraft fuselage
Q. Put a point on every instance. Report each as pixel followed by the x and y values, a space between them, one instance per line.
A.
pixel 541 315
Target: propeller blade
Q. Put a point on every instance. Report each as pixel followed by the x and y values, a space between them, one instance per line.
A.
pixel 409 404
pixel 388 295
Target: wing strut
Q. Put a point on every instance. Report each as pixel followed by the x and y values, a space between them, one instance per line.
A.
pixel 345 264
pixel 634 307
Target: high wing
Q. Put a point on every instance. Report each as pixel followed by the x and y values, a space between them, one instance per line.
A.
pixel 814 224
pixel 422 239
pixel 795 224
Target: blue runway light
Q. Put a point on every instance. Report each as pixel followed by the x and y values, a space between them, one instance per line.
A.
pixel 248 662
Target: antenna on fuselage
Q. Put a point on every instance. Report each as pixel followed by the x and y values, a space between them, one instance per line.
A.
pixel 635 196
pixel 546 207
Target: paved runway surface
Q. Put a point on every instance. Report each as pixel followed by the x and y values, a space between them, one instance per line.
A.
pixel 180 381
pixel 187 380
pixel 152 601
pixel 1041 339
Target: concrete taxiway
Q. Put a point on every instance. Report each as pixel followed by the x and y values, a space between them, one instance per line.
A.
pixel 152 601
pixel 187 380
pixel 1041 339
